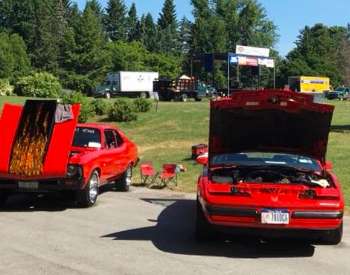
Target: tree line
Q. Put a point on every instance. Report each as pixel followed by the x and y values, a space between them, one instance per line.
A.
pixel 81 46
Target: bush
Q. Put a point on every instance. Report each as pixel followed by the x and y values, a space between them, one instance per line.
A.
pixel 5 88
pixel 121 111
pixel 78 82
pixel 39 85
pixel 86 108
pixel 142 105
pixel 101 106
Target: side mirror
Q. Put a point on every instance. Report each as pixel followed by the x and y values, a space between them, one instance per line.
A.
pixel 202 159
pixel 328 165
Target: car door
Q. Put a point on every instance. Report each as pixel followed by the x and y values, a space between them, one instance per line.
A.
pixel 114 154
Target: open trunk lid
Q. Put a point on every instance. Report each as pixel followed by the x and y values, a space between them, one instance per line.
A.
pixel 269 121
pixel 36 139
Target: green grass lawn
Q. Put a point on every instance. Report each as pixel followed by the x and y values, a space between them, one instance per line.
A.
pixel 167 136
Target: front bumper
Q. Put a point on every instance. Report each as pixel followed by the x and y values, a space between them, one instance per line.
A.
pixel 300 219
pixel 42 185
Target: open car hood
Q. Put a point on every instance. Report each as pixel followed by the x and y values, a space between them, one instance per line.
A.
pixel 269 121
pixel 36 139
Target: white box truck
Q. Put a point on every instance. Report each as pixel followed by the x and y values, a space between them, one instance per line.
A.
pixel 122 83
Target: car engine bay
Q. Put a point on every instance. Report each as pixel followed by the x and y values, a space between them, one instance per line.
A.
pixel 273 174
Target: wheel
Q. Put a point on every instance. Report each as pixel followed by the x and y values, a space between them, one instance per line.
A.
pixel 88 196
pixel 333 237
pixel 204 230
pixel 108 95
pixel 123 184
pixel 183 98
pixel 3 198
pixel 198 99
pixel 143 95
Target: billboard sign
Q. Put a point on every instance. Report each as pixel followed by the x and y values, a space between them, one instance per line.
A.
pixel 252 51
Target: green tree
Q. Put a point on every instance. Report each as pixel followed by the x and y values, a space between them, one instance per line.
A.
pixel 168 37
pixel 149 36
pixel 317 52
pixel 185 35
pixel 95 6
pixel 115 20
pixel 133 27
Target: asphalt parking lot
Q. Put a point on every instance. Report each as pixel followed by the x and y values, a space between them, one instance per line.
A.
pixel 143 232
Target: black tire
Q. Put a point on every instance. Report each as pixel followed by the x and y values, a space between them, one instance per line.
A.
pixel 123 184
pixel 333 237
pixel 88 196
pixel 204 230
pixel 198 99
pixel 143 95
pixel 3 198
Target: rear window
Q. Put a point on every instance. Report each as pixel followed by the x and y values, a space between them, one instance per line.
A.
pixel 87 137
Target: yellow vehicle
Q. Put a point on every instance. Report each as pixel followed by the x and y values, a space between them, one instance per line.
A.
pixel 309 84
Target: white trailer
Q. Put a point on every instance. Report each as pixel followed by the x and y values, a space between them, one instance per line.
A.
pixel 128 84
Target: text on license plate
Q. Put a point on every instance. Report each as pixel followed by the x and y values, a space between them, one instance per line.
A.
pixel 28 184
pixel 274 216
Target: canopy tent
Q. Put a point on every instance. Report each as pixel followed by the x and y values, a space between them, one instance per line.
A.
pixel 244 56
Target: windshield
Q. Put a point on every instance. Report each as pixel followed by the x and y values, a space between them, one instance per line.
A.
pixel 257 159
pixel 87 137
pixel 340 89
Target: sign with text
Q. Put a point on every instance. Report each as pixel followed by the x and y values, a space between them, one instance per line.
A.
pixel 252 51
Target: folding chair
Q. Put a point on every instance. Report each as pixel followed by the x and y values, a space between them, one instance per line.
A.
pixel 169 174
pixel 147 171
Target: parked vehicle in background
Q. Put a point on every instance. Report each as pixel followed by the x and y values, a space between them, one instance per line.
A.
pixel 266 172
pixel 179 90
pixel 340 93
pixel 309 84
pixel 131 84
pixel 44 150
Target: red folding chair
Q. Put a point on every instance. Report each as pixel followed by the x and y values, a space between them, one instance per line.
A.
pixel 169 174
pixel 147 172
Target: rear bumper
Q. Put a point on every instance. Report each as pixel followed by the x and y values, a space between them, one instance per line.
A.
pixel 300 219
pixel 42 185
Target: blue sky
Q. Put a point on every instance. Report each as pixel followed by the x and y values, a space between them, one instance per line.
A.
pixel 290 16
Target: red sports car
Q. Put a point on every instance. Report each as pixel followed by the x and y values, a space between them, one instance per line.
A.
pixel 266 173
pixel 44 149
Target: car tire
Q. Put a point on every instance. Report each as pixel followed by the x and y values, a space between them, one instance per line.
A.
pixel 198 99
pixel 124 183
pixel 143 95
pixel 184 98
pixel 87 197
pixel 203 230
pixel 333 237
pixel 3 198
pixel 108 95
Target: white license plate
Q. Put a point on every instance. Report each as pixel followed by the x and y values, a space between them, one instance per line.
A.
pixel 274 216
pixel 28 185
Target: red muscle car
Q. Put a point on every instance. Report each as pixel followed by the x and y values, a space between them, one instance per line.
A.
pixel 266 173
pixel 44 149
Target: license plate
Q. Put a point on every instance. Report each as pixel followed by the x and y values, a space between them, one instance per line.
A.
pixel 28 185
pixel 274 216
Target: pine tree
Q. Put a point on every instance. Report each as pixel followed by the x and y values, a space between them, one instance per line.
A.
pixel 95 6
pixel 149 33
pixel 115 20
pixel 90 45
pixel 168 16
pixel 167 25
pixel 132 23
pixel 185 35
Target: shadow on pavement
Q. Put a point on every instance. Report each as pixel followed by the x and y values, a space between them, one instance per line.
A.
pixel 340 128
pixel 173 233
pixel 25 202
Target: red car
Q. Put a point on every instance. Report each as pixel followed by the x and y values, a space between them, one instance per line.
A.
pixel 266 173
pixel 44 149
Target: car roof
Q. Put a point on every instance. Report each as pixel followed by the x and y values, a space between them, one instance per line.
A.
pixel 101 126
